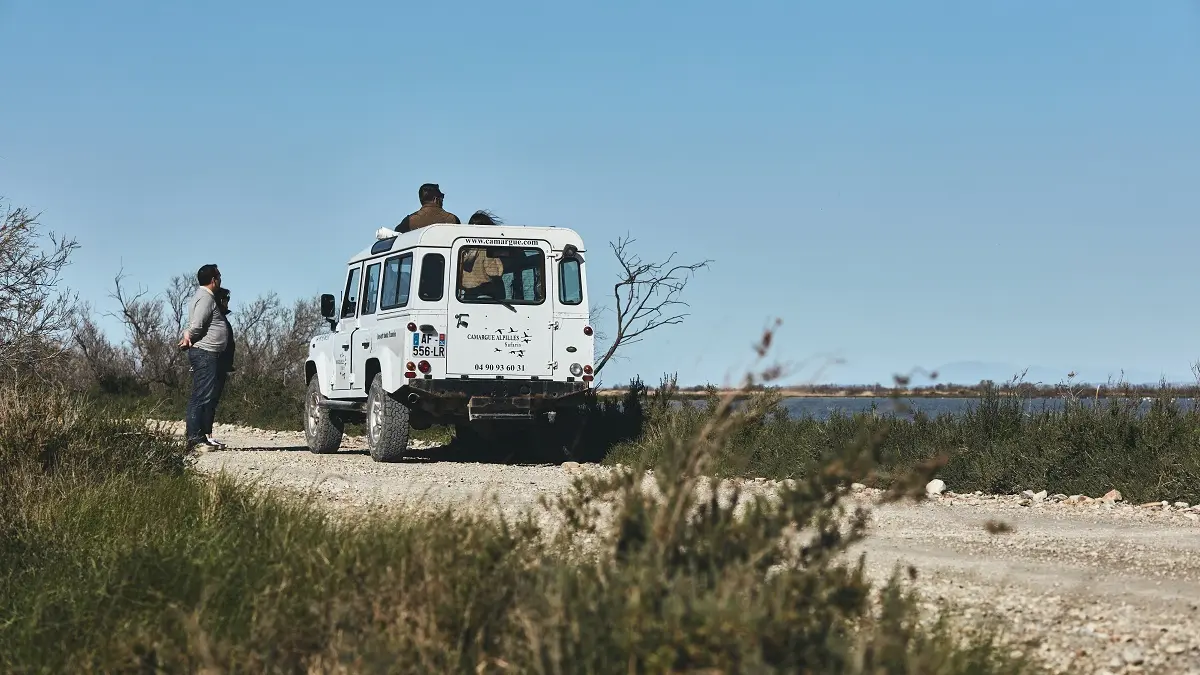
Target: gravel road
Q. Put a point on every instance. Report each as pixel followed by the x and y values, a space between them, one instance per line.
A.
pixel 1096 586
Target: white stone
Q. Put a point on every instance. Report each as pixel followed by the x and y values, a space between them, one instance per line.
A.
pixel 935 487
pixel 1133 656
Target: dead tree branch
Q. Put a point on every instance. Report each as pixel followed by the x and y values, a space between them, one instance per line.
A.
pixel 647 296
pixel 152 328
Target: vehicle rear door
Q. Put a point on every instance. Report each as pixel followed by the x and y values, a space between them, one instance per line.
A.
pixel 501 320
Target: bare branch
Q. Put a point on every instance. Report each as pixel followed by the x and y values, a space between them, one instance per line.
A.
pixel 647 296
pixel 35 314
pixel 152 327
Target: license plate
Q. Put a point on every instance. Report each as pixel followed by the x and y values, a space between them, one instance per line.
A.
pixel 430 351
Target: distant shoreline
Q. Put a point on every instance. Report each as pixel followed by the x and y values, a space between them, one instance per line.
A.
pixel 1026 391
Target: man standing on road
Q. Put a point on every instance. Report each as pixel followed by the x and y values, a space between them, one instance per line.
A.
pixel 205 338
pixel 431 210
pixel 224 365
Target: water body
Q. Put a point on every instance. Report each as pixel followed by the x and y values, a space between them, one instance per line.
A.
pixel 822 407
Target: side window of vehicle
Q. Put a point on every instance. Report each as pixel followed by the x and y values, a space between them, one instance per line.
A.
pixel 397 278
pixel 433 275
pixel 570 282
pixel 371 290
pixel 350 298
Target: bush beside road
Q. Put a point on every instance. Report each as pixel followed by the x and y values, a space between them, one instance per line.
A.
pixel 1072 584
pixel 117 556
pixel 1081 584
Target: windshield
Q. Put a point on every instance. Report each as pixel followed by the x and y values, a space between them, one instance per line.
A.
pixel 501 274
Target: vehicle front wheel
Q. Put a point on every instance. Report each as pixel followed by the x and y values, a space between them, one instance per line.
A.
pixel 322 429
pixel 387 424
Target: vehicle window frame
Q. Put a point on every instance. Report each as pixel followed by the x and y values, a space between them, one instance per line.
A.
pixel 441 279
pixel 562 289
pixel 407 294
pixel 353 276
pixel 371 305
pixel 458 277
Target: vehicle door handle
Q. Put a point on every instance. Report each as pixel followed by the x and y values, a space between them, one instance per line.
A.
pixel 366 344
pixel 346 347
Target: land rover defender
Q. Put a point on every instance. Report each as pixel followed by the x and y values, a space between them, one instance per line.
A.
pixel 480 327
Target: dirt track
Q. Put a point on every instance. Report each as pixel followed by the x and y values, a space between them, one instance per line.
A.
pixel 1095 587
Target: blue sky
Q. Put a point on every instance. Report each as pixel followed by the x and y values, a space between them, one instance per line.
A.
pixel 989 184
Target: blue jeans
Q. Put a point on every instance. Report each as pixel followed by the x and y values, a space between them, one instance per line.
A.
pixel 202 406
pixel 218 389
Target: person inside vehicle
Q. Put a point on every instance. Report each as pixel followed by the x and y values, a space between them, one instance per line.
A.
pixel 481 274
pixel 481 270
pixel 431 210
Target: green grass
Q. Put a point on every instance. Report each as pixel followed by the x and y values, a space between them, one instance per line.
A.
pixel 995 447
pixel 114 557
pixel 258 403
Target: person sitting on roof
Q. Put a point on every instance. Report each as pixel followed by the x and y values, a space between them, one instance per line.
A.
pixel 484 217
pixel 431 210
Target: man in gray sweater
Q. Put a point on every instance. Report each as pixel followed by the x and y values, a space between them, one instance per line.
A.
pixel 205 339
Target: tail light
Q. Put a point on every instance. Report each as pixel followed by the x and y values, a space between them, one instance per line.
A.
pixel 424 367
pixel 412 327
pixel 586 378
pixel 587 369
pixel 587 330
pixel 410 366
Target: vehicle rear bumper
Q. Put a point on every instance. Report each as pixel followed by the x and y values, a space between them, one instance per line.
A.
pixel 491 399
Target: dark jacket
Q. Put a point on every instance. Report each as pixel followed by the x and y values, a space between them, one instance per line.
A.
pixel 426 215
pixel 226 357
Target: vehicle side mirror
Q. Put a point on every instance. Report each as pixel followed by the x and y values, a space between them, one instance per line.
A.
pixel 327 310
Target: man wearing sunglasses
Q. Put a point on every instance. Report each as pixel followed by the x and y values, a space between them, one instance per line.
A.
pixel 205 339
pixel 431 210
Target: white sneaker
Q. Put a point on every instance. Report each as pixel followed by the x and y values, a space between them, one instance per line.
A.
pixel 215 443
pixel 202 447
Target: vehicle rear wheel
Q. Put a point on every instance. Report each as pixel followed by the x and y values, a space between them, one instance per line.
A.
pixel 387 424
pixel 322 429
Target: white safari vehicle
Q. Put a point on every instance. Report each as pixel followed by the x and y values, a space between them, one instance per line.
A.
pixel 483 327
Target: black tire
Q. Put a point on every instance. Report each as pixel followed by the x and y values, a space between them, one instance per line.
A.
pixel 322 429
pixel 387 424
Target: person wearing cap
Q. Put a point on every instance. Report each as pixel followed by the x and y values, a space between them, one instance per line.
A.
pixel 431 210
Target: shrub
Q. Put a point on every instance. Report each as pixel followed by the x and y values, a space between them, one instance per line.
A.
pixel 161 572
pixel 1000 445
pixel 49 430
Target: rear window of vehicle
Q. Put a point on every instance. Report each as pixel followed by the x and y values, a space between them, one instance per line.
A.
pixel 501 274
pixel 570 282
